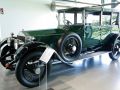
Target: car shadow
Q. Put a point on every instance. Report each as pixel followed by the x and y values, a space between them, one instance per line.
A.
pixel 70 71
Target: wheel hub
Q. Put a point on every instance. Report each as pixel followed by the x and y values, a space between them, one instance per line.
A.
pixel 117 48
pixel 38 70
pixel 72 48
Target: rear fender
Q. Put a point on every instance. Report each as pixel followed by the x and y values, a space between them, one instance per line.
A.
pixel 109 41
pixel 3 42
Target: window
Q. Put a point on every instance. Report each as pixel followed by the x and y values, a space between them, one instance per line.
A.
pixel 66 17
pixel 61 18
pixel 79 18
pixel 92 19
pixel 70 17
pixel 106 19
pixel 115 19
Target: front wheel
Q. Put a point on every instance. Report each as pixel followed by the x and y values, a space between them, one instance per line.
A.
pixel 8 48
pixel 115 54
pixel 7 56
pixel 30 71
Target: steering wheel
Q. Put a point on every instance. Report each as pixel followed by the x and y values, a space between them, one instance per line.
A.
pixel 67 22
pixel 115 22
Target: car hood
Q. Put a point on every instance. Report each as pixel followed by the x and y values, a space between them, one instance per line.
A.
pixel 45 32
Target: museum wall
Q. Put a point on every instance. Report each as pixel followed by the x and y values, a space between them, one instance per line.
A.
pixel 27 15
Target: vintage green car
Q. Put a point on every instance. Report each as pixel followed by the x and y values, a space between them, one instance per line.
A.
pixel 80 30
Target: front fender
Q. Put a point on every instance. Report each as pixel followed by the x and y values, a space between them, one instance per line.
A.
pixel 4 41
pixel 27 48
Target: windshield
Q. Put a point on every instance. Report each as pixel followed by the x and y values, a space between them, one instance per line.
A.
pixel 70 18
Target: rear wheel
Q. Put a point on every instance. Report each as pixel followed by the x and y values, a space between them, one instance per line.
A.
pixel 30 71
pixel 115 54
pixel 70 47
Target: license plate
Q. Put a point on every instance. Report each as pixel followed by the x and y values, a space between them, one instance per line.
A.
pixel 47 54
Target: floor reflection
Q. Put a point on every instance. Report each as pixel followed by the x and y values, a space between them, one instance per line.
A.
pixel 82 65
pixel 95 73
pixel 101 66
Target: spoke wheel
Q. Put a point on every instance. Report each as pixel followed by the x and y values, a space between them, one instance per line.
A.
pixel 115 54
pixel 8 51
pixel 30 71
pixel 7 56
pixel 70 47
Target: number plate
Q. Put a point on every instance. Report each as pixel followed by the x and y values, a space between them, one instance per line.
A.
pixel 47 54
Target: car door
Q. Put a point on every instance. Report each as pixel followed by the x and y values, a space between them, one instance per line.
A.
pixel 106 25
pixel 92 30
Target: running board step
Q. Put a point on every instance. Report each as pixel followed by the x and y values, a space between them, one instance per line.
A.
pixel 84 56
pixel 91 54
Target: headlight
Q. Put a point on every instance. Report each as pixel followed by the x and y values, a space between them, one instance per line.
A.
pixel 8 41
pixel 29 38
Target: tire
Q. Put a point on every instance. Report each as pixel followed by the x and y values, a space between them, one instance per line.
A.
pixel 70 50
pixel 115 49
pixel 3 52
pixel 4 60
pixel 20 70
pixel 7 53
pixel 109 41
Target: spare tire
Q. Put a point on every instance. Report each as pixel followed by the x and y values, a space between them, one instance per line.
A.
pixel 69 47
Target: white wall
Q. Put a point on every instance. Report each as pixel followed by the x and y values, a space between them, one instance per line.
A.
pixel 0 33
pixel 26 14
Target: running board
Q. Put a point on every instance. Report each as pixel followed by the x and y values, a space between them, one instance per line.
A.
pixel 91 54
pixel 84 56
pixel 48 53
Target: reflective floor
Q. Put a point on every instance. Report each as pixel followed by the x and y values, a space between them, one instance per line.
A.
pixel 96 73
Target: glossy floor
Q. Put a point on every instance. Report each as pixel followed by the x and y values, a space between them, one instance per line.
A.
pixel 97 73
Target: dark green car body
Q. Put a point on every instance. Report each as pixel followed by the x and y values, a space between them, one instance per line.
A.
pixel 92 34
pixel 80 32
pixel 51 36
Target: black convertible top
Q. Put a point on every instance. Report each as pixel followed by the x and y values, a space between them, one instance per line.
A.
pixel 95 10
